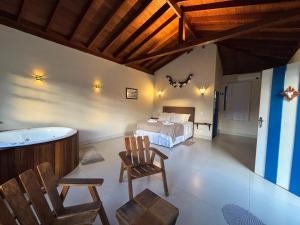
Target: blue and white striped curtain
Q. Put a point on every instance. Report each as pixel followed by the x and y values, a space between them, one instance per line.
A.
pixel 278 140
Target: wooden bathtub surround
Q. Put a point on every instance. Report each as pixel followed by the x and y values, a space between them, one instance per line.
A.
pixel 62 154
pixel 138 160
pixel 51 182
pixel 23 211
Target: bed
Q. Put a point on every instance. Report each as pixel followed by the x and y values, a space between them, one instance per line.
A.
pixel 169 132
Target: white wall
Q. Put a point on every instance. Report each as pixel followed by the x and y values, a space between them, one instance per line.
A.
pixel 296 57
pixel 202 63
pixel 66 97
pixel 241 128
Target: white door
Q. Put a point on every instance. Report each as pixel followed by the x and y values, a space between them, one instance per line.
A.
pixel 263 121
pixel 277 125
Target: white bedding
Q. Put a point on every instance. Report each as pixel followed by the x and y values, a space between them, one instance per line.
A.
pixel 164 140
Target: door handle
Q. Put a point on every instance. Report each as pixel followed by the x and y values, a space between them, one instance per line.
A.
pixel 260 122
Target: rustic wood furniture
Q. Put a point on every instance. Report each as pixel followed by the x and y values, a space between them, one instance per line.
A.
pixel 147 208
pixel 24 213
pixel 6 218
pixel 50 183
pixel 138 160
pixel 63 155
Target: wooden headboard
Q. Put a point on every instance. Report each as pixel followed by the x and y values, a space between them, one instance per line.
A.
pixel 181 110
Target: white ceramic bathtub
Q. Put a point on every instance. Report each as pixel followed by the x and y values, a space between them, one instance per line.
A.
pixel 32 136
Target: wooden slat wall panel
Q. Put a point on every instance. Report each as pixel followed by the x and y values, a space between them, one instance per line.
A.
pixel 62 154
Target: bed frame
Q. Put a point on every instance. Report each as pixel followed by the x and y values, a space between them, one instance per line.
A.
pixel 181 110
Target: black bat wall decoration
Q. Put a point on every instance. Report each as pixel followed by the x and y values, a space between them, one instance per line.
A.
pixel 179 84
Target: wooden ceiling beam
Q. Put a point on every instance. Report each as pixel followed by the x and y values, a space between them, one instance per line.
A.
pixel 53 15
pixel 180 14
pixel 121 11
pixel 149 37
pixel 264 35
pixel 52 36
pixel 166 41
pixel 254 52
pixel 135 22
pixel 141 29
pixel 223 35
pixel 149 63
pixel 180 30
pixel 21 10
pixel 264 57
pixel 258 44
pixel 226 4
pixel 83 17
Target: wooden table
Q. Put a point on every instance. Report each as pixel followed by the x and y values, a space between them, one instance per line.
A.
pixel 147 208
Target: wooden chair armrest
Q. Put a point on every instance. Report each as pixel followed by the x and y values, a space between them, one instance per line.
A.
pixel 81 181
pixel 159 153
pixel 87 217
pixel 126 159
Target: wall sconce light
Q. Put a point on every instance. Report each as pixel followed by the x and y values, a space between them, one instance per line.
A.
pixel 202 91
pixel 159 93
pixel 39 76
pixel 97 86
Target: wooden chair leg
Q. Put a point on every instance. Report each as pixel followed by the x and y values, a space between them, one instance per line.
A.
pixel 152 158
pixel 64 192
pixel 130 192
pixel 96 197
pixel 164 177
pixel 121 173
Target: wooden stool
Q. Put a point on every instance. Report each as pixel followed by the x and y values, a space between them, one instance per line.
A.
pixel 147 208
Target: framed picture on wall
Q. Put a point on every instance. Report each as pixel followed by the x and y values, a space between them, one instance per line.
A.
pixel 131 93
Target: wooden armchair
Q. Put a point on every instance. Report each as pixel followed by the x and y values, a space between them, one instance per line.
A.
pixel 50 183
pixel 24 214
pixel 138 161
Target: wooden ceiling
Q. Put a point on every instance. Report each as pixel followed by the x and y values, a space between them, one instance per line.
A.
pixel 143 34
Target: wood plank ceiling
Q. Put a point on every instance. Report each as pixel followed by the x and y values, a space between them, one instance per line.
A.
pixel 146 35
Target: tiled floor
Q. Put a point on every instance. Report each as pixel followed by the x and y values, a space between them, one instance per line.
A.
pixel 201 178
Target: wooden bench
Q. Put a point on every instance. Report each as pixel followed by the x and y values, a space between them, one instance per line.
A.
pixel 147 208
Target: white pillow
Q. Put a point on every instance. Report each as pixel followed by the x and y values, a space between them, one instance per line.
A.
pixel 165 116
pixel 180 118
